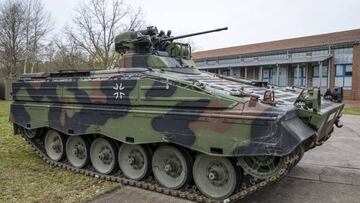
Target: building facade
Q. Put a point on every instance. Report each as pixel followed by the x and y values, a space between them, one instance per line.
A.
pixel 325 61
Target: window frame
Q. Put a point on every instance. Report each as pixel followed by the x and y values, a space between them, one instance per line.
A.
pixel 318 68
pixel 343 76
pixel 326 77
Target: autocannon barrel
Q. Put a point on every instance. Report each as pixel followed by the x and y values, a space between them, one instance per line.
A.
pixel 193 34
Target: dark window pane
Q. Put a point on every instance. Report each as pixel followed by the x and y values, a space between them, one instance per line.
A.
pixel 324 71
pixel 316 71
pixel 348 70
pixel 339 70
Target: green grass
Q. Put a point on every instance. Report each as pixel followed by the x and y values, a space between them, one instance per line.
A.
pixel 352 111
pixel 24 177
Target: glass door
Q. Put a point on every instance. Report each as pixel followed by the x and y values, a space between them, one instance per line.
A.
pixel 273 76
pixel 299 76
pixel 266 76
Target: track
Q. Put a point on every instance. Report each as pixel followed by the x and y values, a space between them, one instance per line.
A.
pixel 188 192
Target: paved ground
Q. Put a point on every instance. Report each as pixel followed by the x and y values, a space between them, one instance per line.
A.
pixel 330 173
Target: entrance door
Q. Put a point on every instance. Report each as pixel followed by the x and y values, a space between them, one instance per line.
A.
pixel 299 77
pixel 273 76
pixel 283 76
pixel 266 77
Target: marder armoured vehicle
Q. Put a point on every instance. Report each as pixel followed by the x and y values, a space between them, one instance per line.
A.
pixel 158 123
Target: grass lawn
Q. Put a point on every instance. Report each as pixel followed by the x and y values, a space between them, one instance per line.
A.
pixel 24 177
pixel 352 111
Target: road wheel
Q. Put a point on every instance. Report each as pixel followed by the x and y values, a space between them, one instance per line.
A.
pixel 103 155
pixel 134 161
pixel 171 167
pixel 77 151
pixel 55 145
pixel 215 177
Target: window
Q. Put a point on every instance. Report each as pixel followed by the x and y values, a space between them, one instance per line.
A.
pixel 200 63
pixel 316 71
pixel 316 79
pixel 348 70
pixel 343 76
pixel 225 72
pixel 269 75
pixel 325 71
pixel 227 61
pixel 236 72
pixel 299 55
pixel 339 70
pixel 320 53
pixel 212 62
pixel 343 51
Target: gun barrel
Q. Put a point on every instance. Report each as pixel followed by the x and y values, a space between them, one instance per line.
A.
pixel 194 34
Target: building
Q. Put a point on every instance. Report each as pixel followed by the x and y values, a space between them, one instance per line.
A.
pixel 326 61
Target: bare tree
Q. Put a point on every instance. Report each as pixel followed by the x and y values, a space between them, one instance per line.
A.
pixel 37 25
pixel 95 26
pixel 23 26
pixel 11 35
pixel 67 55
pixel 49 51
pixel 27 20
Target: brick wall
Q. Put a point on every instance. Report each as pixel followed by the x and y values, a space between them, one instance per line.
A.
pixel 348 94
pixel 309 75
pixel 250 73
pixel 356 73
pixel 332 73
pixel 290 72
pixel 256 73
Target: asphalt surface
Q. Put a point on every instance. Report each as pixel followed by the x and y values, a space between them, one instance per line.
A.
pixel 329 173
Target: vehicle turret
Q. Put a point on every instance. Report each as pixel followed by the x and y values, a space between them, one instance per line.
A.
pixel 155 49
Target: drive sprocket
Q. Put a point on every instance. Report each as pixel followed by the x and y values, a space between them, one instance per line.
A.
pixel 262 167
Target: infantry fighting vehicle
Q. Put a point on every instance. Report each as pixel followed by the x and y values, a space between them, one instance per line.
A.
pixel 159 123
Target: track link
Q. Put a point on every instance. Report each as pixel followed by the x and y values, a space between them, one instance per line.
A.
pixel 189 193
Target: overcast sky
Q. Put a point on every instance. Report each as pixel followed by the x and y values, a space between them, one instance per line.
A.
pixel 249 21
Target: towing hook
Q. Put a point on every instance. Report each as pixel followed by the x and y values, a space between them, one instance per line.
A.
pixel 337 123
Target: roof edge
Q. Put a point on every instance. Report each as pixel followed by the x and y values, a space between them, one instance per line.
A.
pixel 349 42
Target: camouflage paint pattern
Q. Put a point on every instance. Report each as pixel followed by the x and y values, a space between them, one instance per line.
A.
pixel 145 101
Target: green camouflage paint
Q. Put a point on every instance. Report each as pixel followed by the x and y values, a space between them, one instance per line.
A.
pixel 158 96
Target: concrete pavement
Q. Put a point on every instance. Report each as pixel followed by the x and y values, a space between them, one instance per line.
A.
pixel 329 173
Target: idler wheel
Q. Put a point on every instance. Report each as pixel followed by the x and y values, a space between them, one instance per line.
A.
pixel 103 155
pixel 55 145
pixel 171 167
pixel 77 151
pixel 215 177
pixel 134 161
